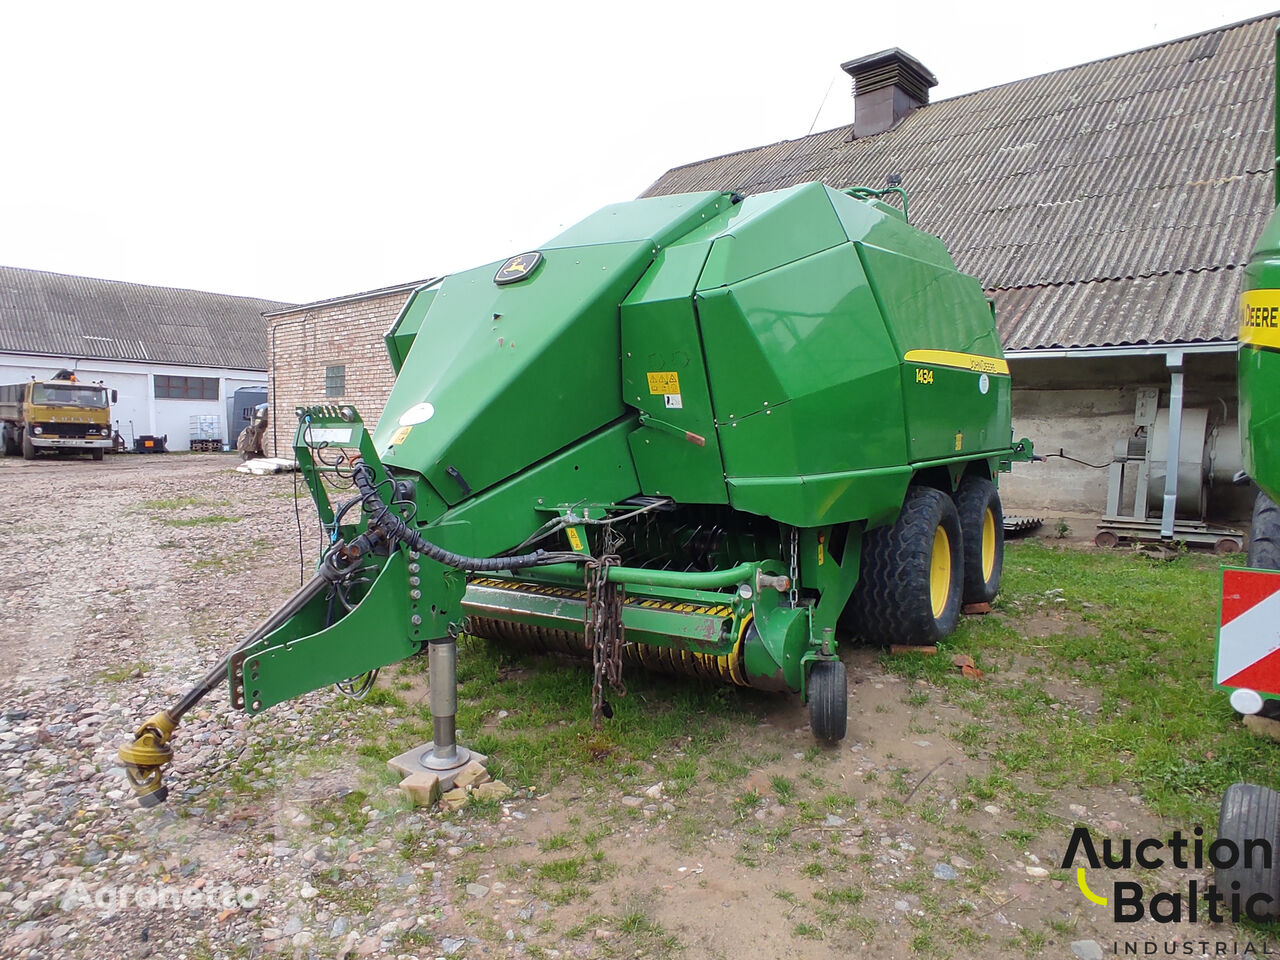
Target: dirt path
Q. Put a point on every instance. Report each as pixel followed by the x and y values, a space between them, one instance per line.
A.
pixel 124 580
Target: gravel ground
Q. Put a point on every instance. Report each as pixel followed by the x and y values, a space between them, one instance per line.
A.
pixel 123 581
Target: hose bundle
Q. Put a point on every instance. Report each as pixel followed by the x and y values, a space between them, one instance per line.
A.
pixel 386 518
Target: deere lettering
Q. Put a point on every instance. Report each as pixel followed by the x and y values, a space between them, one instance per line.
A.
pixel 1266 317
pixel 1260 319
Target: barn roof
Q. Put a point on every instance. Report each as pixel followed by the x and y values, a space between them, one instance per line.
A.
pixel 71 317
pixel 1110 203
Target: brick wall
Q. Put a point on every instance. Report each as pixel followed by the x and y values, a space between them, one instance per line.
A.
pixel 301 343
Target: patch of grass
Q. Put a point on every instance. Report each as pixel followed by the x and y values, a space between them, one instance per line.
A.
pixel 199 521
pixel 787 897
pixel 1113 687
pixel 783 788
pixel 170 503
pixel 566 870
pixel 1031 941
pixel 123 672
pixel 848 896
pixel 746 804
pixel 557 841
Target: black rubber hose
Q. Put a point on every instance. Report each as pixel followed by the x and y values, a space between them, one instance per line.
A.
pixel 397 529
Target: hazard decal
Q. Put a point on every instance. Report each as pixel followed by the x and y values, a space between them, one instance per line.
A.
pixel 1249 638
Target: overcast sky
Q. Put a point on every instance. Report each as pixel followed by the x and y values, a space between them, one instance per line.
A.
pixel 299 151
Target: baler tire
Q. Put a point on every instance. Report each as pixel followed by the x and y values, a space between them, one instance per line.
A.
pixel 1264 537
pixel 981 527
pixel 892 602
pixel 1251 812
pixel 28 448
pixel 828 690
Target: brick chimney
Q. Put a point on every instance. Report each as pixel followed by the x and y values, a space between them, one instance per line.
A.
pixel 887 86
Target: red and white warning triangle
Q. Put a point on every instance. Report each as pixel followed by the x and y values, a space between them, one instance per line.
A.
pixel 1249 638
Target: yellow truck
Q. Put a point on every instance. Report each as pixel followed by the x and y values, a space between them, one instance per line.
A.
pixel 57 414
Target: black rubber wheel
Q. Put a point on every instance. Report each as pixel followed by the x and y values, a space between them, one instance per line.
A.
pixel 1250 813
pixel 97 454
pixel 828 691
pixel 1264 537
pixel 10 444
pixel 28 448
pixel 982 530
pixel 911 577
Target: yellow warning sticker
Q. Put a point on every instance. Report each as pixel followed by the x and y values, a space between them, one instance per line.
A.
pixel 1259 318
pixel 665 381
pixel 400 436
pixel 575 541
pixel 959 440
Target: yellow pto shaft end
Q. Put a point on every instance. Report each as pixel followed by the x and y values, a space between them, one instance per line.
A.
pixel 144 758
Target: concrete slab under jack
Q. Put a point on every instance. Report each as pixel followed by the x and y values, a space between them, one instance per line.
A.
pixel 410 762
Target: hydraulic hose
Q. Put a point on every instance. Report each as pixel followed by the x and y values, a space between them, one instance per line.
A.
pixel 396 529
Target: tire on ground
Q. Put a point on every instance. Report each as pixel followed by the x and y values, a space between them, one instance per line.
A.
pixel 28 448
pixel 912 574
pixel 1251 813
pixel 97 453
pixel 982 530
pixel 828 693
pixel 1264 537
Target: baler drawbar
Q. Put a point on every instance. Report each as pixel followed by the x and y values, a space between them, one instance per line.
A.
pixel 697 433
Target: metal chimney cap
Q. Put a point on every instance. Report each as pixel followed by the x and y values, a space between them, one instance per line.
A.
pixel 885 57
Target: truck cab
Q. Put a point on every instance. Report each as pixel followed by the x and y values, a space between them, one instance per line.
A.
pixel 57 414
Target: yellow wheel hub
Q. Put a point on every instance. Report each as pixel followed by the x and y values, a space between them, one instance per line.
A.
pixel 988 545
pixel 940 572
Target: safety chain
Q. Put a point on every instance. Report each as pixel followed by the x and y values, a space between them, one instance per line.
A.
pixel 793 595
pixel 603 625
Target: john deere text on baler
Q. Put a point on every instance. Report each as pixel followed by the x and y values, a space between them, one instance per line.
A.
pixel 692 432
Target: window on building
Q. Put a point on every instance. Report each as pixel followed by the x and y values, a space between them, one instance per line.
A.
pixel 335 381
pixel 186 388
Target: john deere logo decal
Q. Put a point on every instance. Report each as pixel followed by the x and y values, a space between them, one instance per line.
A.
pixel 517 268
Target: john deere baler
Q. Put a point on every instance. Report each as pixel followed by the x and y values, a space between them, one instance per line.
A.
pixel 694 432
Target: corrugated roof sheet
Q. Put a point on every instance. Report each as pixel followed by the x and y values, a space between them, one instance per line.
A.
pixel 1103 204
pixel 79 317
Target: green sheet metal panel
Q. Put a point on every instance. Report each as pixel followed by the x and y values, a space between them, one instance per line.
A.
pixel 874 495
pixel 501 376
pixel 771 229
pixel 955 382
pixel 804 376
pixel 868 221
pixel 399 338
pixel 596 470
pixel 659 220
pixel 675 450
